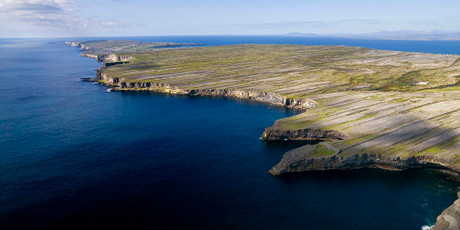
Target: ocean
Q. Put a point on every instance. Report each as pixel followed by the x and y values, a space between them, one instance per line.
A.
pixel 73 156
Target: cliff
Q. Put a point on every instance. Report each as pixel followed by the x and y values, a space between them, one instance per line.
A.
pixel 364 101
pixel 119 84
pixel 276 134
pixel 314 158
pixel 377 109
pixel 449 218
pixel 77 44
pixel 107 57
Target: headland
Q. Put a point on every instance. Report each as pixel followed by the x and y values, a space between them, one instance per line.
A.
pixel 372 108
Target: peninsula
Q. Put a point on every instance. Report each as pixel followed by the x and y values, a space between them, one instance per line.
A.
pixel 372 108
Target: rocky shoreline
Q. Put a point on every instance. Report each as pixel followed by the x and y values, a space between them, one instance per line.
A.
pixel 107 57
pixel 308 158
pixel 276 134
pixel 118 84
pixel 449 218
pixel 331 155
pixel 303 159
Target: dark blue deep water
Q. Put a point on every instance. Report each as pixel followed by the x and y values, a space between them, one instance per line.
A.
pixel 73 156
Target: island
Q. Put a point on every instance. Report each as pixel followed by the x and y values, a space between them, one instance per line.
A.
pixel 369 108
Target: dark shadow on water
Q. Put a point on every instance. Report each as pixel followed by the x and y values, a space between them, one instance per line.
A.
pixel 289 143
pixel 386 176
pixel 276 149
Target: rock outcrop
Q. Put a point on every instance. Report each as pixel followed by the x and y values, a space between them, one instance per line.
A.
pixel 77 44
pixel 107 57
pixel 119 84
pixel 307 158
pixel 277 134
pixel 449 218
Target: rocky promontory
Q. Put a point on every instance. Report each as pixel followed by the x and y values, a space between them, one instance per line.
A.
pixel 367 103
pixel 315 158
pixel 276 134
pixel 107 58
pixel 449 218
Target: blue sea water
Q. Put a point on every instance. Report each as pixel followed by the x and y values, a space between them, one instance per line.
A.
pixel 438 47
pixel 73 156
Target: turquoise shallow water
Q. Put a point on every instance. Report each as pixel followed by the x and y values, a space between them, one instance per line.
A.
pixel 74 156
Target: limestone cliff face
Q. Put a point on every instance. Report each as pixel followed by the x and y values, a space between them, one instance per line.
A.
pixel 77 44
pixel 304 159
pixel 276 134
pixel 110 57
pixel 119 84
pixel 449 218
pixel 107 57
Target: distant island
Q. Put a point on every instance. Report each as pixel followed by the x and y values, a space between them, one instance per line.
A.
pixel 371 108
pixel 388 35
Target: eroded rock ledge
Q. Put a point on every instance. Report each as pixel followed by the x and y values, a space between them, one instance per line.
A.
pixel 265 97
pixel 449 218
pixel 324 156
pixel 277 134
pixel 314 158
pixel 107 57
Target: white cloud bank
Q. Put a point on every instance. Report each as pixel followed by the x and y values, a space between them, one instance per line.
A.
pixel 53 16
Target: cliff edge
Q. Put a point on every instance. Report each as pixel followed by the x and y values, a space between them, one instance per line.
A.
pixel 449 218
pixel 375 108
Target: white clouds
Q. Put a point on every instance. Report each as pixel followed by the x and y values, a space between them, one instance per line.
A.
pixel 49 15
pixel 28 10
pixel 45 18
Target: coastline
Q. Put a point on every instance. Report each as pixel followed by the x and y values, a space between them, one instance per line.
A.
pixel 275 133
pixel 301 159
pixel 119 84
pixel 297 160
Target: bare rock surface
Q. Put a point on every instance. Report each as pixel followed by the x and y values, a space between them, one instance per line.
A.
pixel 449 218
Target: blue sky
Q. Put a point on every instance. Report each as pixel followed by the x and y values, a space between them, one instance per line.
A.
pixel 67 18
